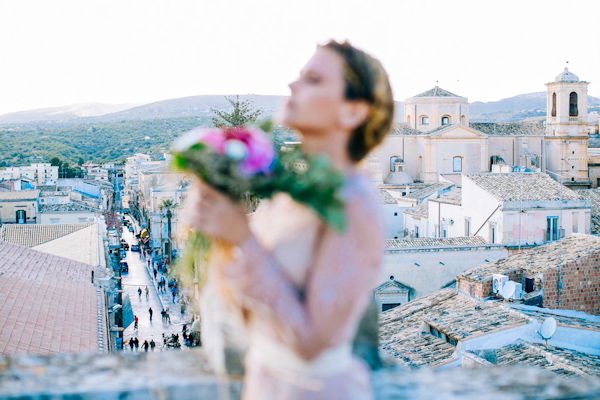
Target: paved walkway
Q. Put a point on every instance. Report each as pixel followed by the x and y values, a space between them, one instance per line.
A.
pixel 140 276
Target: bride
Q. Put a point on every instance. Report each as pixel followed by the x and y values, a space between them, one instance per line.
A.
pixel 300 287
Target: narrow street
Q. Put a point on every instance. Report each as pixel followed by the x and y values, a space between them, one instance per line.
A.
pixel 140 277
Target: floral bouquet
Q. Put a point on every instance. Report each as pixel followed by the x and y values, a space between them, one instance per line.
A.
pixel 242 163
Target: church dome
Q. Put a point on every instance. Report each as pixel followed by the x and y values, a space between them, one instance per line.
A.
pixel 566 76
pixel 398 178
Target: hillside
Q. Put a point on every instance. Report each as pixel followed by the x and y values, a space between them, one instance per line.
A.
pixel 517 108
pixel 61 114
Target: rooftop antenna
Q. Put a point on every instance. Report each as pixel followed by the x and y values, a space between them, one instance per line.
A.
pixel 547 329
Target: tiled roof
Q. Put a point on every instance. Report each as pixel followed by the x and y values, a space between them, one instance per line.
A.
pixel 509 129
pixel 453 197
pixel 420 211
pixel 594 196
pixel 429 190
pixel 565 362
pixel 30 235
pixel 386 198
pixel 19 195
pixel 526 186
pixel 48 303
pixel 434 242
pixel 72 206
pixel 81 245
pixel 404 129
pixel 538 259
pixel 457 316
pixel 460 317
pixel 437 92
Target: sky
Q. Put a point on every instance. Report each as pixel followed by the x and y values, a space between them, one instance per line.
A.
pixel 62 52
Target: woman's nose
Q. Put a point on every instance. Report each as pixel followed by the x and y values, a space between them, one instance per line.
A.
pixel 292 85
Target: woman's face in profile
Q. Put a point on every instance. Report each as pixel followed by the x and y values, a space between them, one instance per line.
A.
pixel 317 95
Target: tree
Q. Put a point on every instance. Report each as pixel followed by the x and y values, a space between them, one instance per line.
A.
pixel 55 162
pixel 243 113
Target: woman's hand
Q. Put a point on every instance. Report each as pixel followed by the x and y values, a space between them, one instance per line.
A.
pixel 215 214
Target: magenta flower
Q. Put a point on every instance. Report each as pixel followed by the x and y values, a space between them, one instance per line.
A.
pixel 251 147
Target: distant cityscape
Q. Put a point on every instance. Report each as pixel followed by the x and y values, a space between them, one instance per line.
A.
pixel 492 243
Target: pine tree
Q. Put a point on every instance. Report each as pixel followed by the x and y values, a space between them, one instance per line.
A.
pixel 243 113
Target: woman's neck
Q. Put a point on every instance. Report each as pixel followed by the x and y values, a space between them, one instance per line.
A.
pixel 334 146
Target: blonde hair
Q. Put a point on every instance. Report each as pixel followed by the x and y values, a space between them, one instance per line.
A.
pixel 366 80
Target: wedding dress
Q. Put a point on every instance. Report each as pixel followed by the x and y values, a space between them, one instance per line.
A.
pixel 305 289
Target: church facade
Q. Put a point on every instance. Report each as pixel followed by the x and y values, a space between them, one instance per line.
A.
pixel 437 141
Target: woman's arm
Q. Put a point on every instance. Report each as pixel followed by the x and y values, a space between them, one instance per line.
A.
pixel 338 289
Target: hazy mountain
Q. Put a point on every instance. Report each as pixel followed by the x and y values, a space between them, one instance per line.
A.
pixel 516 108
pixel 512 109
pixel 64 113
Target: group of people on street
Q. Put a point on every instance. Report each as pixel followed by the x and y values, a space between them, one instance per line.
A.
pixel 135 342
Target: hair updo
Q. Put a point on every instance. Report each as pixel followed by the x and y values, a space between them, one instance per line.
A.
pixel 366 80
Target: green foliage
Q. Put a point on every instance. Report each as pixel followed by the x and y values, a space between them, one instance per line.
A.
pixel 243 113
pixel 98 143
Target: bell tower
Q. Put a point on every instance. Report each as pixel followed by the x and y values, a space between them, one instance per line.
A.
pixel 566 139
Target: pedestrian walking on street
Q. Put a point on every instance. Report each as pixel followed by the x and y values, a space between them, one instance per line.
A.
pixel 152 344
pixel 137 343
pixel 135 322
pixel 150 311
pixel 174 294
pixel 155 272
pixel 146 345
pixel 140 292
pixel 147 292
pixel 163 314
pixel 131 343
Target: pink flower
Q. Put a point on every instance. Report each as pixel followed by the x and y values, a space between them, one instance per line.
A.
pixel 251 147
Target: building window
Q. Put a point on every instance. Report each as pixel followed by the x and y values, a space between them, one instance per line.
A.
pixel 575 222
pixel 492 233
pixel 457 164
pixel 416 231
pixel 21 216
pixel 552 229
pixel 553 104
pixel 389 306
pixel 467 226
pixel 445 120
pixel 573 111
pixel 529 285
pixel 395 214
pixel 424 120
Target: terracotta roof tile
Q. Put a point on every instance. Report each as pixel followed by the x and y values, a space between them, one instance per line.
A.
pixel 525 186
pixel 538 259
pixel 49 305
pixel 420 211
pixel 30 235
pixel 434 242
pixel 19 195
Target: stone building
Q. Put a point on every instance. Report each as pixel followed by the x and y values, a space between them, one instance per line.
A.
pixel 561 275
pixel 436 139
pixel 19 206
pixel 517 209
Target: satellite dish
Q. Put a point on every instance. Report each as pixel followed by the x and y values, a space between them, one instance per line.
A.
pixel 548 328
pixel 508 290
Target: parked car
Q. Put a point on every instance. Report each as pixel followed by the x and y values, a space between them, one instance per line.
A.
pixel 124 245
pixel 123 254
pixel 124 266
pixel 130 228
pixel 135 247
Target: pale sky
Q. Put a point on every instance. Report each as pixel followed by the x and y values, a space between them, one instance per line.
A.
pixel 61 52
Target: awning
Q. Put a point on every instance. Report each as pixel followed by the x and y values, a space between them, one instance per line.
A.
pixel 143 233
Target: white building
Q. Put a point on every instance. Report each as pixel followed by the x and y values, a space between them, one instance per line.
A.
pixel 517 209
pixel 41 173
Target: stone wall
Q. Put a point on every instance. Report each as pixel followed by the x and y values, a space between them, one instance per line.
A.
pixel 580 285
pixel 186 375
